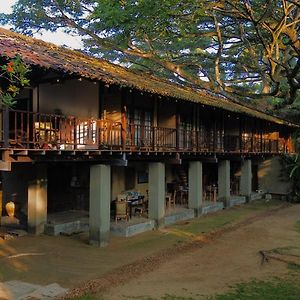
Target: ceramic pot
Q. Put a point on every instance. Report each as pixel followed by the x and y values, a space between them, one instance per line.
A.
pixel 10 209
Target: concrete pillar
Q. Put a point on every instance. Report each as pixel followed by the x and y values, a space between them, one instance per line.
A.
pixel 37 201
pixel 195 186
pixel 100 197
pixel 224 180
pixel 157 192
pixel 246 178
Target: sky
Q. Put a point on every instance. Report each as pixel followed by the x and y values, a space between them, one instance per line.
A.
pixel 59 38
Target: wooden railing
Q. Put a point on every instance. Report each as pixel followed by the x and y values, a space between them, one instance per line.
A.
pixel 28 130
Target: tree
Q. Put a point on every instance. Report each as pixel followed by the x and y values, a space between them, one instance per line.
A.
pixel 12 77
pixel 242 49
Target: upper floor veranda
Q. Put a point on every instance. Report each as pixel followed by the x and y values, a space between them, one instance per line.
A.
pixel 78 115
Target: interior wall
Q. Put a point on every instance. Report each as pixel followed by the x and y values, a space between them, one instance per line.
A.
pixel 71 97
pixel 166 114
pixel 272 177
pixel 112 104
pixel 141 170
pixel 118 181
pixel 68 187
pixel 119 178
pixel 15 187
pixel 232 126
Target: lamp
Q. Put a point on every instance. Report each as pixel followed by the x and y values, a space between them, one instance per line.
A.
pixel 10 207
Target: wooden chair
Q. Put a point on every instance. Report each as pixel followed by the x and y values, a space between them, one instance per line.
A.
pixel 170 199
pixel 210 193
pixel 142 207
pixel 121 211
pixel 182 196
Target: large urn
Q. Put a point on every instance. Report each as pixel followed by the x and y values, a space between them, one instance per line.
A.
pixel 10 209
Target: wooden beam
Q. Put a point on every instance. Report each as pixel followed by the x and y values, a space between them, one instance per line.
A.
pixel 20 152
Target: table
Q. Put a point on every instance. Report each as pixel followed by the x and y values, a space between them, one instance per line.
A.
pixel 134 203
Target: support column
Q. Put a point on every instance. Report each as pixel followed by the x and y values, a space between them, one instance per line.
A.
pixel 100 196
pixel 195 186
pixel 224 180
pixel 246 178
pixel 37 201
pixel 157 192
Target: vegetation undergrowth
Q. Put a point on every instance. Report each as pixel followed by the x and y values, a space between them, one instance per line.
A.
pixel 275 289
pixel 278 289
pixel 212 222
pixel 297 226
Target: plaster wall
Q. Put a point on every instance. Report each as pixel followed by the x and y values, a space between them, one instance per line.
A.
pixel 231 126
pixel 272 177
pixel 112 104
pixel 141 187
pixel 16 182
pixel 166 115
pixel 117 181
pixel 71 97
pixel 118 178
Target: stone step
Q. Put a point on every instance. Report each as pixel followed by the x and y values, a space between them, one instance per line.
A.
pixel 19 290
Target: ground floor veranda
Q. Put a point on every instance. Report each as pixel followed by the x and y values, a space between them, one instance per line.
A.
pixel 78 196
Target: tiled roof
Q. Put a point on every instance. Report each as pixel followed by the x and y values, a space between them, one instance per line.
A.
pixel 50 56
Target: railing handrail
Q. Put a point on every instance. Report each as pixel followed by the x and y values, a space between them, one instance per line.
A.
pixel 30 128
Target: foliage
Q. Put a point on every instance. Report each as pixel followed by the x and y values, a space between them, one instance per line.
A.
pixel 241 49
pixel 12 78
pixel 297 226
pixel 264 290
pixel 292 164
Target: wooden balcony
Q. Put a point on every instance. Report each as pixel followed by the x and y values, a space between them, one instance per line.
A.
pixel 29 130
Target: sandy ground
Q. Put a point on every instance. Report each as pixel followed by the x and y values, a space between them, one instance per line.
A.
pixel 171 261
pixel 231 258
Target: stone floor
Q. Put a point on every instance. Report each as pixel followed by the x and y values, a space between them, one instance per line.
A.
pixel 211 207
pixel 67 222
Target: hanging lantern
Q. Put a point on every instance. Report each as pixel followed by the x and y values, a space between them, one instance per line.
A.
pixel 10 209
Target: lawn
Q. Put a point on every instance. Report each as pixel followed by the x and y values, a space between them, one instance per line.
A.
pixel 276 289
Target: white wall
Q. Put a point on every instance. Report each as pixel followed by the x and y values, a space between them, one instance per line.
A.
pixel 72 97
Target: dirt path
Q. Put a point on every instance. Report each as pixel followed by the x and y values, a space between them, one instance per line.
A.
pixel 208 264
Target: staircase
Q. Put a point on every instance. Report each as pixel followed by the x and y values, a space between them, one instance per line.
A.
pixel 183 176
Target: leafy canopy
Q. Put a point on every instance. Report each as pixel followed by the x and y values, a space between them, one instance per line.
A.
pixel 242 49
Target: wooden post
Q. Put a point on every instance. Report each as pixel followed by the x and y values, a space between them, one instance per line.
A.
pixel 74 132
pixel 240 134
pixel 123 127
pixel 261 137
pixel 177 126
pixel 101 100
pixel 123 119
pixel 154 123
pixel 5 126
pixel 215 133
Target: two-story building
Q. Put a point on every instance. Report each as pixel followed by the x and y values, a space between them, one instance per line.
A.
pixel 87 130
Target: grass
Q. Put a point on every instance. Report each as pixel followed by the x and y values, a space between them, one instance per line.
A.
pixel 297 226
pixel 212 222
pixel 278 289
